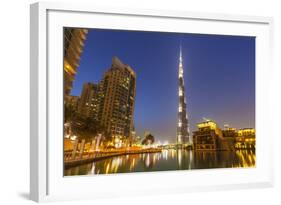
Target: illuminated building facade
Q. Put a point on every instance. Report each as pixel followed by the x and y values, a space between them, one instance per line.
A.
pixel 210 137
pixel 73 47
pixel 89 101
pixel 183 133
pixel 117 101
pixel 247 132
pixel 230 134
pixel 246 139
pixel 207 136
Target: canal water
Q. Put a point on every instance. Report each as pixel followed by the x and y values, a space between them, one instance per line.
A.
pixel 166 160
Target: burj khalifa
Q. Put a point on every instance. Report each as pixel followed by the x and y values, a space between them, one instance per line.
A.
pixel 183 131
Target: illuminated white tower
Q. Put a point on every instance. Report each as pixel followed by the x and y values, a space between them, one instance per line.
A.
pixel 183 133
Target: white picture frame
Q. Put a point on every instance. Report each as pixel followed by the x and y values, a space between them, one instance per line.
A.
pixel 46 179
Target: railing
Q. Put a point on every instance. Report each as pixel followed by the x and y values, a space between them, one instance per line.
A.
pixel 74 159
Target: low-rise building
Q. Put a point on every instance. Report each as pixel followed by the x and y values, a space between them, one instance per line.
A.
pixel 207 135
pixel 210 137
pixel 230 134
pixel 246 139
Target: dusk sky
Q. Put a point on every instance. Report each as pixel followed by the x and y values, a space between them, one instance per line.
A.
pixel 219 74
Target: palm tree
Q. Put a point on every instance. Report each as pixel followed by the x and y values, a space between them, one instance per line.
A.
pixel 148 140
pixel 69 113
pixel 85 127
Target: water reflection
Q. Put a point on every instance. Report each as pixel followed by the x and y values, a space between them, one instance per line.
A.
pixel 167 160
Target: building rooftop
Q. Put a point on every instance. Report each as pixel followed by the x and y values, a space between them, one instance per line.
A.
pixel 207 123
pixel 117 63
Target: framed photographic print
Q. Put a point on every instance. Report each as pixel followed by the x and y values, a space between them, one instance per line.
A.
pixel 128 102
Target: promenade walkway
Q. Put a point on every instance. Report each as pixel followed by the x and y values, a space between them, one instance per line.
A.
pixel 71 160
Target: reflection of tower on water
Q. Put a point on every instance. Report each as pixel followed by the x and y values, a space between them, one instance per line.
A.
pixel 185 159
pixel 179 157
pixel 149 160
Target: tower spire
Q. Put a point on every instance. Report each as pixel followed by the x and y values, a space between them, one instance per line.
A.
pixel 180 53
pixel 183 133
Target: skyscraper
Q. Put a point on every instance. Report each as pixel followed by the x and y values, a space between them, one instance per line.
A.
pixel 73 47
pixel 183 133
pixel 89 101
pixel 117 100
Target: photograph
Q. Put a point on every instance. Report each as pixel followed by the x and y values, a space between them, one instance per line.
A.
pixel 147 101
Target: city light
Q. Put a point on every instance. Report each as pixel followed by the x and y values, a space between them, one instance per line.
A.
pixel 73 137
pixel 180 92
pixel 180 108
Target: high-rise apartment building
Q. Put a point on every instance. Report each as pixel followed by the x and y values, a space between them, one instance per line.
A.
pixel 73 47
pixel 117 101
pixel 89 101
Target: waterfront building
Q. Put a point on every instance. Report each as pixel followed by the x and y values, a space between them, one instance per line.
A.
pixel 230 134
pixel 73 47
pixel 247 132
pixel 207 136
pixel 89 101
pixel 210 137
pixel 117 101
pixel 246 139
pixel 183 132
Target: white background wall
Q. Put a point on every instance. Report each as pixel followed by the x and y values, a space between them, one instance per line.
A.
pixel 14 103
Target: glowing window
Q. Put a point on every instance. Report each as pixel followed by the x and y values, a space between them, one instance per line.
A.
pixel 180 108
pixel 180 73
pixel 180 92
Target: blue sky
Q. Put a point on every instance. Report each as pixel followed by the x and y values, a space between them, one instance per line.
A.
pixel 219 74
